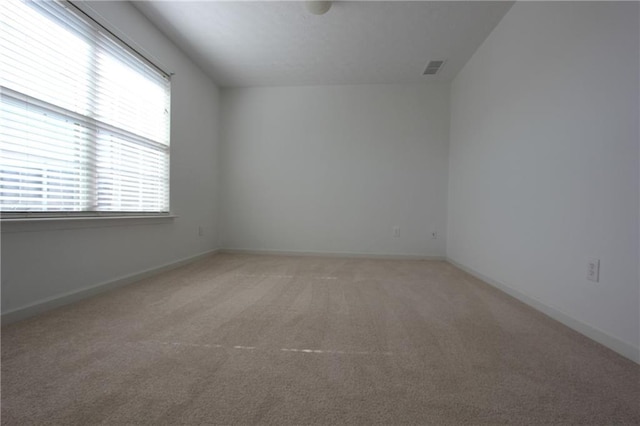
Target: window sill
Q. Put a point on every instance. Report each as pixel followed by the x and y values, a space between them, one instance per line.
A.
pixel 36 224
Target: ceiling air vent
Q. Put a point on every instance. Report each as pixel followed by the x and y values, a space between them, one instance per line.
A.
pixel 433 67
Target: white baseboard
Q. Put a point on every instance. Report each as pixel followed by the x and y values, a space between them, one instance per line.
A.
pixel 332 254
pixel 76 295
pixel 623 348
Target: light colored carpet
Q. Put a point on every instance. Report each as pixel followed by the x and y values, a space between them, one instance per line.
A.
pixel 239 339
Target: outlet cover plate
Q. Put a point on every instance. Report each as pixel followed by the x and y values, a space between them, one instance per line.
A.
pixel 593 270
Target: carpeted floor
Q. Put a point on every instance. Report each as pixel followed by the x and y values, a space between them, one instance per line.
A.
pixel 240 339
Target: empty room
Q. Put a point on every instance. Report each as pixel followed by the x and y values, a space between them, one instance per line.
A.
pixel 315 212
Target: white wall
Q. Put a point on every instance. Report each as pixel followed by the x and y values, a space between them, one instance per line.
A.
pixel 42 261
pixel 335 168
pixel 544 162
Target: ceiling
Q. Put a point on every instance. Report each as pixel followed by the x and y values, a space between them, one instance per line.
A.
pixel 274 43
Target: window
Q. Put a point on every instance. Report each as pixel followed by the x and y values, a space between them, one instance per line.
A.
pixel 84 120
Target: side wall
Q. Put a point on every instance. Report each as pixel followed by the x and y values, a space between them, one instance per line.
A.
pixel 544 163
pixel 334 169
pixel 44 261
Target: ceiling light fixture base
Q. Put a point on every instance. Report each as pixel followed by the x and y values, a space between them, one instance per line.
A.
pixel 318 7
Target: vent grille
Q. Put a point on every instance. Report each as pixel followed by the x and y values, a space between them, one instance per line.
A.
pixel 433 67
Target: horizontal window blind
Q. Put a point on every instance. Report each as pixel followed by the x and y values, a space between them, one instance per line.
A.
pixel 84 120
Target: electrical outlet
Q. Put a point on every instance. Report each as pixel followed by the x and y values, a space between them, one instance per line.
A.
pixel 434 235
pixel 593 270
pixel 200 231
pixel 396 231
